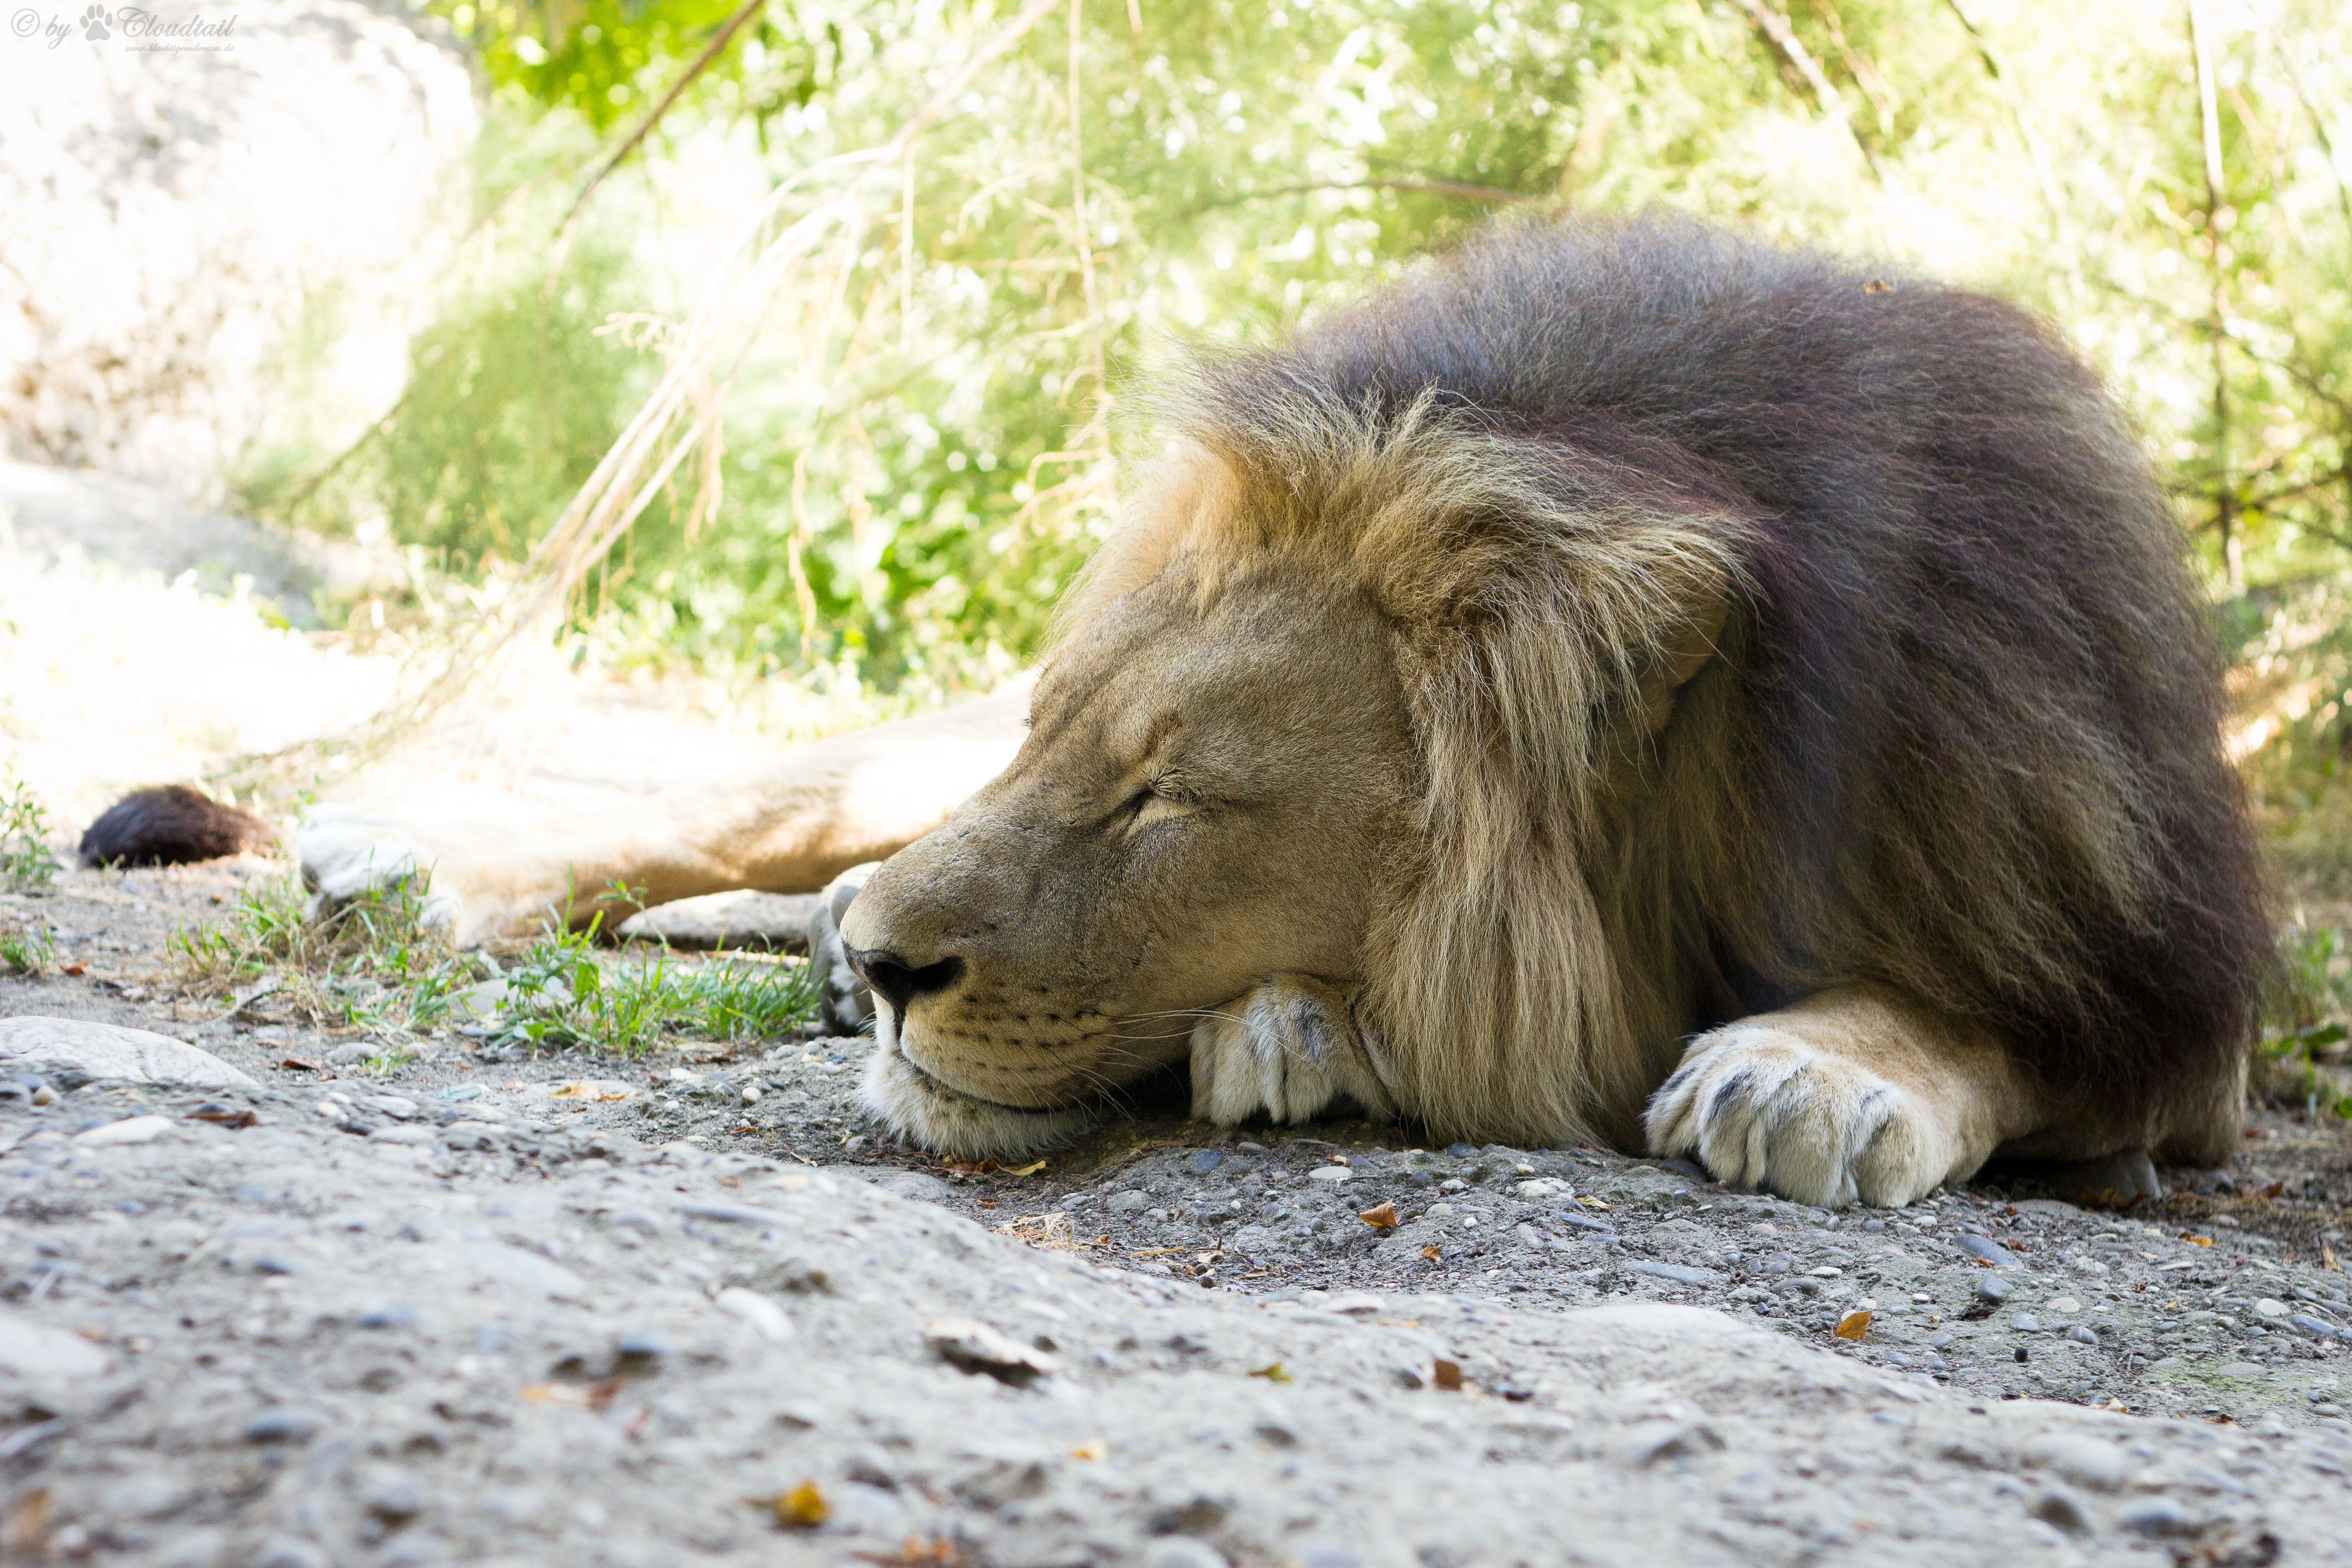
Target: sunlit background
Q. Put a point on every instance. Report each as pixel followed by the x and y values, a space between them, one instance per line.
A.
pixel 785 355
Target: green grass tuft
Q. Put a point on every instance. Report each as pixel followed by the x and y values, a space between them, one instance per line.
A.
pixel 561 992
pixel 370 964
pixel 25 864
pixel 28 951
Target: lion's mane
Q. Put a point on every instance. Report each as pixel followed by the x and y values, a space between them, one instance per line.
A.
pixel 1766 625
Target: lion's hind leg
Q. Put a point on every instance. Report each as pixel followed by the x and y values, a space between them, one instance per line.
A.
pixel 1850 1096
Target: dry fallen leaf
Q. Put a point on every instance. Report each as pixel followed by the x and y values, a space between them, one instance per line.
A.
pixel 1853 1325
pixel 916 1552
pixel 1380 1218
pixel 804 1507
pixel 2198 1240
pixel 570 1395
pixel 1430 1252
pixel 1092 1449
pixel 75 969
pixel 1029 1170
pixel 222 1116
pixel 1053 1232
pixel 1272 1373
pixel 299 1064
pixel 24 1535
pixel 1878 285
pixel 1446 1375
pixel 598 1090
pixel 2327 1260
pixel 1592 1202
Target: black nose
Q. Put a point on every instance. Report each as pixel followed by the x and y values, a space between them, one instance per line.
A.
pixel 899 981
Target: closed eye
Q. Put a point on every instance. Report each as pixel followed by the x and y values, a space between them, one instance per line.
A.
pixel 1159 801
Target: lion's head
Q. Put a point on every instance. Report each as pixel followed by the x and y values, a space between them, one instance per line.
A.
pixel 1305 720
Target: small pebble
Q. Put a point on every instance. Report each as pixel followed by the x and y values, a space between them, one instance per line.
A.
pixel 1993 1286
pixel 1985 1250
pixel 386 1318
pixel 284 1423
pixel 2158 1516
pixel 646 1343
pixel 2026 1323
pixel 129 1129
pixel 1204 1161
pixel 1462 1151
pixel 285 1552
pixel 395 1499
pixel 1129 1201
pixel 2060 1508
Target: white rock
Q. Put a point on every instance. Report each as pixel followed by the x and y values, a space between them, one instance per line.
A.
pixel 74 1052
pixel 1330 1174
pixel 38 1351
pixel 2085 1461
pixel 526 1271
pixel 762 1313
pixel 759 921
pixel 418 1136
pixel 129 1129
pixel 2270 1309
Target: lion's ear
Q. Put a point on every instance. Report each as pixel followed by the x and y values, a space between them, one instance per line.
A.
pixel 1684 653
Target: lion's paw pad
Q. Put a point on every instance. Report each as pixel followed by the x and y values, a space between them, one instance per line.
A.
pixel 347 854
pixel 1762 1107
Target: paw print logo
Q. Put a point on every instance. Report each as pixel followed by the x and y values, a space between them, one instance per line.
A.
pixel 94 23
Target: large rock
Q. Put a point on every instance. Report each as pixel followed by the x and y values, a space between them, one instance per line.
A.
pixel 53 514
pixel 176 216
pixel 762 922
pixel 71 1052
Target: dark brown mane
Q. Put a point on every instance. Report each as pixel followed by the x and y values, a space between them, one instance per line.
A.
pixel 1964 735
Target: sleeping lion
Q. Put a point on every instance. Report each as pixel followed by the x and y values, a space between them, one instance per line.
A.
pixel 1622 682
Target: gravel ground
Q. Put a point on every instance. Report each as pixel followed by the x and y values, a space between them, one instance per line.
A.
pixel 574 1308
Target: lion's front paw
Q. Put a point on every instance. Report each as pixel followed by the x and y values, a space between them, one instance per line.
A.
pixel 347 853
pixel 1763 1108
pixel 1288 1048
pixel 846 1005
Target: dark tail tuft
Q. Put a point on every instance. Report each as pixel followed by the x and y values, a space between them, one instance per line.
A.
pixel 172 826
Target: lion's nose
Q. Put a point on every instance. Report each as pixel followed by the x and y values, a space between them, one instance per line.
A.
pixel 898 982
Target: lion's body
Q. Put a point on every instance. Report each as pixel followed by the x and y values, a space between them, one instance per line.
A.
pixel 1609 636
pixel 1961 735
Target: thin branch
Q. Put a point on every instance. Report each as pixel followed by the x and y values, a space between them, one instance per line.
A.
pixel 309 487
pixel 2015 104
pixel 1776 31
pixel 2319 125
pixel 2208 116
pixel 702 62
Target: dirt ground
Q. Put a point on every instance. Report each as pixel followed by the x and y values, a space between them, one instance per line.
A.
pixel 243 1408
